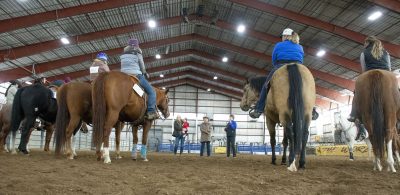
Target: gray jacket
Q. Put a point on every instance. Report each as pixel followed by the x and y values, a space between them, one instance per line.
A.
pixel 205 129
pixel 132 62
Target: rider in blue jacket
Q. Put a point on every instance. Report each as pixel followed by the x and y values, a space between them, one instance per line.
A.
pixel 287 51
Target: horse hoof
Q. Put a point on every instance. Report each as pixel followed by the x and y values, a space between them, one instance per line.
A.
pixel 118 157
pixel 145 160
pixel 292 167
pixel 351 159
pixel 107 161
pixel 14 152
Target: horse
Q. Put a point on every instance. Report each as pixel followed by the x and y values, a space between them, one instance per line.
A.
pixel 377 100
pixel 5 121
pixel 75 110
pixel 251 94
pixel 290 102
pixel 114 99
pixel 349 131
pixel 31 102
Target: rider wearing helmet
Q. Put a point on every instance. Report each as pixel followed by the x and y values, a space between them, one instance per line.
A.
pixel 132 64
pixel 373 57
pixel 285 52
pixel 99 65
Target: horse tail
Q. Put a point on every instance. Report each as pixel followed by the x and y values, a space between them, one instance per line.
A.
pixel 99 109
pixel 17 112
pixel 62 119
pixel 376 110
pixel 296 104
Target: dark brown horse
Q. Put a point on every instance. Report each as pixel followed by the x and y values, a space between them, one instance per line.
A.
pixel 113 100
pixel 74 108
pixel 378 101
pixel 290 102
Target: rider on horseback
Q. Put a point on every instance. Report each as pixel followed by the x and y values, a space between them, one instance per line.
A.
pixel 373 57
pixel 99 65
pixel 287 51
pixel 132 64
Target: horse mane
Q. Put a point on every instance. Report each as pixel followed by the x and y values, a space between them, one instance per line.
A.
pixel 256 83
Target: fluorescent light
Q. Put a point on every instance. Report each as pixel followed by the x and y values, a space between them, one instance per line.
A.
pixel 224 59
pixel 158 56
pixel 241 28
pixel 65 41
pixel 375 15
pixel 28 82
pixel 208 89
pixel 321 53
pixel 152 23
pixel 163 88
pixel 215 77
pixel 161 75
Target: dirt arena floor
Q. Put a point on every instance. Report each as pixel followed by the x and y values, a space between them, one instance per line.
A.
pixel 42 173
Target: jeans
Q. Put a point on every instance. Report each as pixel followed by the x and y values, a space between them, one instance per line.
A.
pixel 151 102
pixel 260 106
pixel 178 139
pixel 230 144
pixel 208 148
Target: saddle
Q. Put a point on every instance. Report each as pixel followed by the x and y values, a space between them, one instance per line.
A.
pixel 140 91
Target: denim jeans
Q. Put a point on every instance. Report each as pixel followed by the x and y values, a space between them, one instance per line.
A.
pixel 151 102
pixel 260 106
pixel 230 145
pixel 178 139
pixel 208 148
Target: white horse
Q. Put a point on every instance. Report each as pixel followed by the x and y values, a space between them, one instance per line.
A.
pixel 349 130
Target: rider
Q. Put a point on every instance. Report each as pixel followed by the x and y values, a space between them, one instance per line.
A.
pixel 373 57
pixel 12 90
pixel 132 64
pixel 285 52
pixel 99 65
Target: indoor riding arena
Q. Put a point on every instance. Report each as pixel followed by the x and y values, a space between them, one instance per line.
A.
pixel 199 97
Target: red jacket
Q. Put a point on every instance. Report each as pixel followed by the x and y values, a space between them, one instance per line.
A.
pixel 185 125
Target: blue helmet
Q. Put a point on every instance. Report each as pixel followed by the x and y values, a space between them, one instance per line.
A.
pixel 102 56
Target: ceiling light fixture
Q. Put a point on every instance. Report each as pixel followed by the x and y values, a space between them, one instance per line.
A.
pixel 208 89
pixel 65 41
pixel 321 53
pixel 161 75
pixel 152 23
pixel 158 56
pixel 28 82
pixel 241 28
pixel 375 15
pixel 215 77
pixel 225 59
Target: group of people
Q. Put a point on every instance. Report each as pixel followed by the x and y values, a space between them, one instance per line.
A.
pixel 181 128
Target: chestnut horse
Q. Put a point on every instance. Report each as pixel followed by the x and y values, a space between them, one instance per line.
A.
pixel 290 102
pixel 378 101
pixel 113 100
pixel 74 108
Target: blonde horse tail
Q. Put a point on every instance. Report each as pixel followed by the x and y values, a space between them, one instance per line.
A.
pixel 376 110
pixel 99 109
pixel 296 105
pixel 62 119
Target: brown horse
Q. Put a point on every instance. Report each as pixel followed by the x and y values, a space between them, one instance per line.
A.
pixel 74 108
pixel 290 102
pixel 113 100
pixel 378 101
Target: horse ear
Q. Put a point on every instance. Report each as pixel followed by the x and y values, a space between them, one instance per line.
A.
pixel 166 91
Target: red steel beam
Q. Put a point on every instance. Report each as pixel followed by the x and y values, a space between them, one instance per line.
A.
pixel 322 103
pixel 346 33
pixel 393 5
pixel 33 19
pixel 28 50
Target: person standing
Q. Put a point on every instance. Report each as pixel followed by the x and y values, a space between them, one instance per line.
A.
pixel 205 138
pixel 179 138
pixel 231 136
pixel 185 127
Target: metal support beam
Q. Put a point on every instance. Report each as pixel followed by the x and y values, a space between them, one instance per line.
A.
pixel 393 5
pixel 326 26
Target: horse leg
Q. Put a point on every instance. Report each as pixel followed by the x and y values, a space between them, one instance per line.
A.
pixel 285 145
pixel 49 133
pixel 369 148
pixel 143 150
pixel 351 147
pixel 111 119
pixel 118 128
pixel 29 122
pixel 5 130
pixel 292 154
pixel 135 142
pixel 72 126
pixel 271 128
pixel 302 160
pixel 377 163
pixel 390 159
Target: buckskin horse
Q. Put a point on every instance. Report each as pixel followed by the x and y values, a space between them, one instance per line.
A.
pixel 74 108
pixel 30 103
pixel 113 100
pixel 290 102
pixel 378 101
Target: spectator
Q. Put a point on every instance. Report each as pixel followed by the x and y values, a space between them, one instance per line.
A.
pixel 205 139
pixel 179 138
pixel 185 127
pixel 231 136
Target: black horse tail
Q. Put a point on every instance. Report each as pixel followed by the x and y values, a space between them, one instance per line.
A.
pixel 376 110
pixel 17 113
pixel 62 120
pixel 99 109
pixel 296 104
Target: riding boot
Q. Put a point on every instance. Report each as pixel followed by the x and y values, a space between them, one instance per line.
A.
pixel 151 115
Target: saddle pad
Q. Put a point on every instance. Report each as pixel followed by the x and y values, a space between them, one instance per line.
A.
pixel 94 69
pixel 138 90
